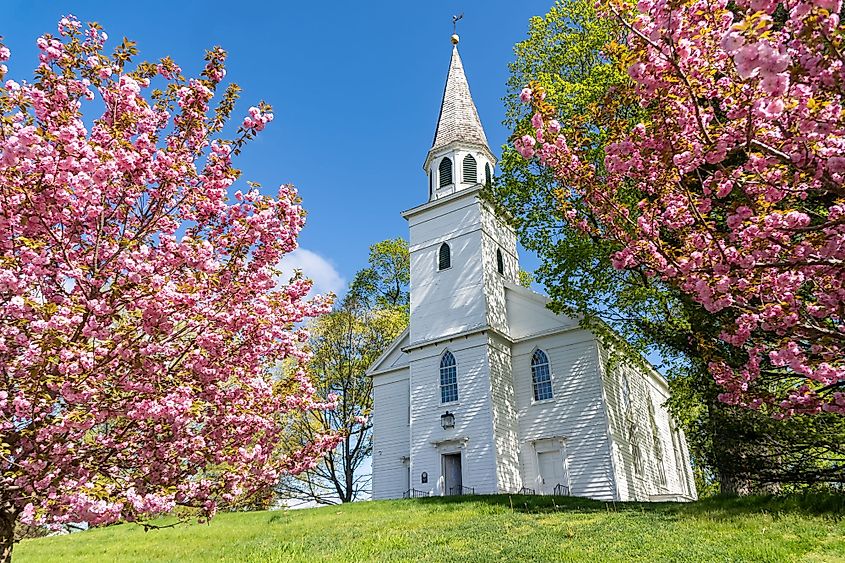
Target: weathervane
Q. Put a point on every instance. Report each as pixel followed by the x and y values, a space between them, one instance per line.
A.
pixel 455 28
pixel 455 20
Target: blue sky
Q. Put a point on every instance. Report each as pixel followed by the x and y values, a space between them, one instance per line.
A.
pixel 355 86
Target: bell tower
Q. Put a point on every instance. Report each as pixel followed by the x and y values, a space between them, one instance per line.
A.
pixel 461 251
pixel 459 157
pixel 462 418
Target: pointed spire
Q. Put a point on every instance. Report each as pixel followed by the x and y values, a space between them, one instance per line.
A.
pixel 458 121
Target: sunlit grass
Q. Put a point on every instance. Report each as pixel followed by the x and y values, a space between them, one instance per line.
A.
pixel 483 528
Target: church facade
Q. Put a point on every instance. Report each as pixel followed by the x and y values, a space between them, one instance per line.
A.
pixel 488 391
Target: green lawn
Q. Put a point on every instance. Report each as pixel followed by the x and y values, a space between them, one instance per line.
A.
pixel 482 528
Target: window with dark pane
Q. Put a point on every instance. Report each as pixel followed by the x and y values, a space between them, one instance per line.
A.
pixel 470 170
pixel 445 172
pixel 500 262
pixel 541 376
pixel 448 378
pixel 488 174
pixel 430 185
pixel 444 257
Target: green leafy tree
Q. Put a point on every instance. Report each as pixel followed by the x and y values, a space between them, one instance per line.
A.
pixel 344 344
pixel 566 54
pixel 385 281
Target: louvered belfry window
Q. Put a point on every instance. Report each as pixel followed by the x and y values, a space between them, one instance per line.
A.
pixel 444 257
pixel 488 175
pixel 470 170
pixel 445 172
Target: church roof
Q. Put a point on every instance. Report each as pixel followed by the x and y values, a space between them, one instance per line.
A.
pixel 458 120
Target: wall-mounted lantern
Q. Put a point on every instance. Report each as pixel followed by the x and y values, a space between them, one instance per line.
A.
pixel 447 420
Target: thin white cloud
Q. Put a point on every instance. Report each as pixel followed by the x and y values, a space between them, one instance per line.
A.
pixel 315 267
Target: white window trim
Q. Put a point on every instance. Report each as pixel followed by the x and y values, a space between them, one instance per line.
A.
pixel 551 378
pixel 542 401
pixel 440 380
pixel 437 267
pixel 441 186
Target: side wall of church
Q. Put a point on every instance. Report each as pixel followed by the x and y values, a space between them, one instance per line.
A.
pixel 446 301
pixel 472 435
pixel 505 425
pixel 391 438
pixel 575 416
pixel 631 428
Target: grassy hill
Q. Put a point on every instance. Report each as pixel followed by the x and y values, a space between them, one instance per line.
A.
pixel 482 528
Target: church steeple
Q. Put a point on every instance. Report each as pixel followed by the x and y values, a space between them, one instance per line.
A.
pixel 459 155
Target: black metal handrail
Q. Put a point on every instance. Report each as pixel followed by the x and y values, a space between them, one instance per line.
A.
pixel 455 491
pixel 527 491
pixel 561 490
pixel 414 493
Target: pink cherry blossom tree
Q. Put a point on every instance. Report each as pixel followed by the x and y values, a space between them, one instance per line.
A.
pixel 142 315
pixel 727 183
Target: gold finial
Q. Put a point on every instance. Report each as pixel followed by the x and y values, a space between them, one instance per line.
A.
pixel 455 37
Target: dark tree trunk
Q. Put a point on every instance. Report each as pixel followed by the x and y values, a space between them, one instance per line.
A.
pixel 8 517
pixel 730 484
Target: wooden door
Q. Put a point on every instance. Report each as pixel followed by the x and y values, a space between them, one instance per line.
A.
pixel 452 474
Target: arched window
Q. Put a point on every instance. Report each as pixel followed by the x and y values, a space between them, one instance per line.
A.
pixel 470 170
pixel 680 465
pixel 541 377
pixel 448 378
pixel 445 171
pixel 488 174
pixel 625 391
pixel 500 262
pixel 636 452
pixel 444 257
pixel 657 445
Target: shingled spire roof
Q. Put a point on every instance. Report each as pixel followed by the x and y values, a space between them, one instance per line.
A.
pixel 458 119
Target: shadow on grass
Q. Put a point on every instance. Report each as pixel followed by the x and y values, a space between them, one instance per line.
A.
pixel 810 504
pixel 821 505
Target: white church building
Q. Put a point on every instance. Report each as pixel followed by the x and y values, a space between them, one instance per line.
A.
pixel 488 391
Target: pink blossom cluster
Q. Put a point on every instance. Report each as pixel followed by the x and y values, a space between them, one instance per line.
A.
pixel 257 119
pixel 142 317
pixel 741 171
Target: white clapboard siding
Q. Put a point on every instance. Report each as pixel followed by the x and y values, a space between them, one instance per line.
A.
pixel 473 431
pixel 448 301
pixel 391 453
pixel 498 238
pixel 575 414
pixel 505 417
pixel 528 315
pixel 646 386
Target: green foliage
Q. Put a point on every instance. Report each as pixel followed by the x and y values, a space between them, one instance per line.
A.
pixel 483 529
pixel 740 449
pixel 384 283
pixel 525 278
pixel 344 343
pixel 564 53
